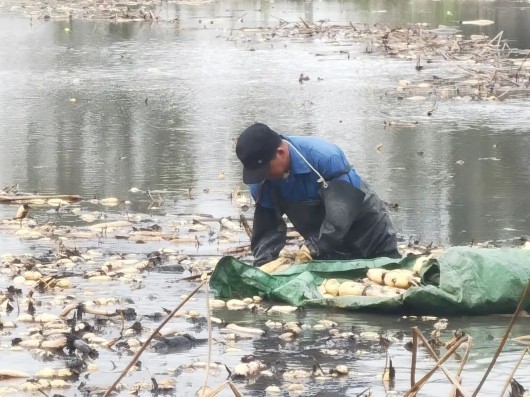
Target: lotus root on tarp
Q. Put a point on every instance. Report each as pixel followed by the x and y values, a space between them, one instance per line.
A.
pixel 463 280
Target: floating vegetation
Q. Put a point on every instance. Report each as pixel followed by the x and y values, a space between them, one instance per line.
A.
pixel 112 11
pixel 467 68
pixel 477 67
pixel 68 309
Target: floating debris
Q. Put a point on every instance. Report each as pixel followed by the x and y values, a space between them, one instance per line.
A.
pixel 498 71
pixel 243 331
pixel 11 374
pixel 478 22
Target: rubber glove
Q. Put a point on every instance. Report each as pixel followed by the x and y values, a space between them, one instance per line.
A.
pixel 303 255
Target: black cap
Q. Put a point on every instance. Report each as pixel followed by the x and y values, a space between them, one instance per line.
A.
pixel 256 147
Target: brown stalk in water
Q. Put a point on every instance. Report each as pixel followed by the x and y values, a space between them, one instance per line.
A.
pixel 203 392
pixel 439 361
pixel 454 392
pixel 520 306
pixel 115 340
pixel 246 226
pixel 154 333
pixel 414 358
pixel 525 352
pixel 219 388
pixel 208 317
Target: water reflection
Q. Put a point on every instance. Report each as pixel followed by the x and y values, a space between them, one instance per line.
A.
pixel 98 108
pixel 366 359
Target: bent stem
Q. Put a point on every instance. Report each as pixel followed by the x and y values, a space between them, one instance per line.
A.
pixel 439 361
pixel 414 358
pixel 462 364
pixel 153 334
pixel 526 351
pixel 520 306
pixel 219 388
pixel 208 316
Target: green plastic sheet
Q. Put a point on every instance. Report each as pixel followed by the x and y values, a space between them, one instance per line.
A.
pixel 463 280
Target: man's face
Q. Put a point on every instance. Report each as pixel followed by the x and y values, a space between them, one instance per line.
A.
pixel 279 166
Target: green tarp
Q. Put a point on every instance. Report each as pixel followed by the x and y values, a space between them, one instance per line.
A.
pixel 462 280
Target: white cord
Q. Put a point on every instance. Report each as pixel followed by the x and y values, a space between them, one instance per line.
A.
pixel 321 178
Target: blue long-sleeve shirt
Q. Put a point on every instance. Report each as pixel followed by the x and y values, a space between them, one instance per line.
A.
pixel 302 183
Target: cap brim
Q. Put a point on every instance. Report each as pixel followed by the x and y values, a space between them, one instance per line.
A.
pixel 255 175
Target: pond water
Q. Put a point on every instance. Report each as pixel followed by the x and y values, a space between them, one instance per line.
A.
pixel 96 108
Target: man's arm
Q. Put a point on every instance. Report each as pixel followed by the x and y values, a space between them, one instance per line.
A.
pixel 268 235
pixel 268 229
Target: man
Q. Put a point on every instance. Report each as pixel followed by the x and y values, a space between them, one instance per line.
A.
pixel 311 181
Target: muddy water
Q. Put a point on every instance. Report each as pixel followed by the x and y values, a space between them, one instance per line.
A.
pixel 93 108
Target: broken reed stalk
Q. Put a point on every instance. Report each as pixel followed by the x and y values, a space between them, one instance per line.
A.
pixel 454 392
pixel 246 226
pixel 153 334
pixel 520 306
pixel 525 351
pixel 305 23
pixel 209 323
pixel 219 389
pixel 234 390
pixel 195 276
pixel 503 94
pixel 496 38
pixel 414 358
pixel 237 250
pixel 439 361
pixel 214 392
pixel 499 35
pixel 25 199
pixel 499 41
pixel 524 60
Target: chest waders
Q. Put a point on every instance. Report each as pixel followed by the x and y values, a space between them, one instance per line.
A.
pixel 328 219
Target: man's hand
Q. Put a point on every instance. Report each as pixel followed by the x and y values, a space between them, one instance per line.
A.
pixel 303 255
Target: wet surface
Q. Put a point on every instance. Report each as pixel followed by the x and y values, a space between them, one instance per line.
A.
pixel 75 118
pixel 96 108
